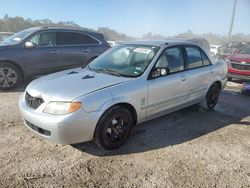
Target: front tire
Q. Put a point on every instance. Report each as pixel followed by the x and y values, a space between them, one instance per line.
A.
pixel 213 96
pixel 114 128
pixel 10 76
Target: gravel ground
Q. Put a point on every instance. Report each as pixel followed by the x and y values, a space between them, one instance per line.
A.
pixel 192 147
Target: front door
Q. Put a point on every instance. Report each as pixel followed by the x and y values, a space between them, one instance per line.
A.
pixel 169 92
pixel 43 58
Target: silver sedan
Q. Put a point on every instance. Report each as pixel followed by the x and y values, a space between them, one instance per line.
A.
pixel 127 85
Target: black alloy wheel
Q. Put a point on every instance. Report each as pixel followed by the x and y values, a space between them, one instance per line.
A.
pixel 10 76
pixel 114 128
pixel 213 95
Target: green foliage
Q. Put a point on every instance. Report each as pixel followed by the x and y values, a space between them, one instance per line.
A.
pixel 15 24
pixel 111 34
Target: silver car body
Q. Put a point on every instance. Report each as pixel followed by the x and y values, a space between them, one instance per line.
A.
pixel 148 98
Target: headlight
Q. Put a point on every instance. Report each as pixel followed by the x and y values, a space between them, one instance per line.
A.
pixel 62 108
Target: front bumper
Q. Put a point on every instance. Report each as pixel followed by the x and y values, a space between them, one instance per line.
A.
pixel 63 129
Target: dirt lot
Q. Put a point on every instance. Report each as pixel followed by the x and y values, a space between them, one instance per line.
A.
pixel 189 148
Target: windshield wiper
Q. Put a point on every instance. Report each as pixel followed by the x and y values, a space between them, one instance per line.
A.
pixel 107 71
pixel 113 72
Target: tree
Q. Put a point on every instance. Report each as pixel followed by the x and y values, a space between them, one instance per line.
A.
pixel 15 24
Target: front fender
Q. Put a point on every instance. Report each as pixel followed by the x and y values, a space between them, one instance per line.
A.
pixel 134 94
pixel 117 100
pixel 102 101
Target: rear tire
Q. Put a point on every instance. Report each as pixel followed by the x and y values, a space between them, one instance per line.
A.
pixel 212 96
pixel 114 128
pixel 10 76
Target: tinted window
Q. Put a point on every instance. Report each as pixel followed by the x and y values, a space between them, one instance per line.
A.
pixel 171 58
pixel 70 38
pixel 194 57
pixel 205 59
pixel 44 39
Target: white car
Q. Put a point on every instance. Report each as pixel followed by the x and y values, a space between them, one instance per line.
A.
pixel 114 43
pixel 127 85
pixel 214 49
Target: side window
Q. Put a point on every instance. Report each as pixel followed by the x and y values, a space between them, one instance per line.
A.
pixel 194 57
pixel 172 59
pixel 34 39
pixel 44 39
pixel 71 38
pixel 205 59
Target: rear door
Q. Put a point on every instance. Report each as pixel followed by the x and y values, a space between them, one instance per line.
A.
pixel 198 71
pixel 76 48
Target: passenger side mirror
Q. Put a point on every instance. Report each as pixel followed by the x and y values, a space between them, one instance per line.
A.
pixel 160 71
pixel 29 45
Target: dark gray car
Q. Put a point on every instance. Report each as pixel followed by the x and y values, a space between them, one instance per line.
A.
pixel 42 50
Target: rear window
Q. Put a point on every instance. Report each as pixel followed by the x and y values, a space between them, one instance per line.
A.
pixel 194 57
pixel 205 59
pixel 73 38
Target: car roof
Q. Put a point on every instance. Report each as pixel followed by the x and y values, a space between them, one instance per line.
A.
pixel 161 42
pixel 41 28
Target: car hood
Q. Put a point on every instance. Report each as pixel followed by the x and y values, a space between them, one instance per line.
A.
pixel 240 57
pixel 71 84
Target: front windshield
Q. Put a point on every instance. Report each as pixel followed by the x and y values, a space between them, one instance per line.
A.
pixel 246 50
pixel 125 60
pixel 17 38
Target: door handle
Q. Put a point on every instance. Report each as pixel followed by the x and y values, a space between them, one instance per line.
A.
pixel 54 51
pixel 183 78
pixel 86 50
pixel 212 71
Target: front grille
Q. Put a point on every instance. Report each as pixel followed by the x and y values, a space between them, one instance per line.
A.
pixel 38 129
pixel 240 66
pixel 33 102
pixel 239 76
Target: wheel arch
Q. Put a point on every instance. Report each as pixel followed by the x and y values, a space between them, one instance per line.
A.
pixel 130 108
pixel 126 105
pixel 15 64
pixel 218 83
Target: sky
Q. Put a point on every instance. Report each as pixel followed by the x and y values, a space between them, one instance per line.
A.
pixel 138 17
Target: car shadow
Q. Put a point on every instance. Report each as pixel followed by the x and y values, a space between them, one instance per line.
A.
pixel 169 130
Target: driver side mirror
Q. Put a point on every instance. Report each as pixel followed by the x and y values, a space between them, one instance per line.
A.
pixel 30 45
pixel 160 71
